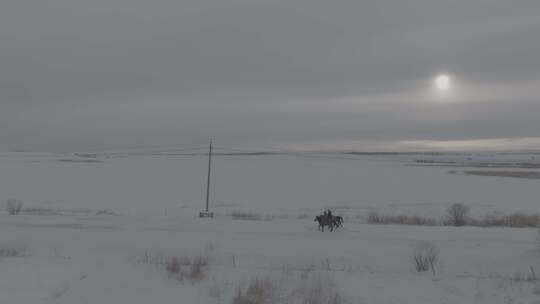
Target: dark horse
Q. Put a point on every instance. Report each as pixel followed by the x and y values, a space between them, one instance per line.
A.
pixel 338 221
pixel 325 220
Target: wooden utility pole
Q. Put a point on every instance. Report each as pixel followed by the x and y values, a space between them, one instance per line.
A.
pixel 206 213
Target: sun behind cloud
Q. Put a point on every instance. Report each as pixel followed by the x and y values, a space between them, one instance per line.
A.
pixel 443 82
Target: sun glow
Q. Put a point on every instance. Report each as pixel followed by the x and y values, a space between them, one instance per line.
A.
pixel 443 83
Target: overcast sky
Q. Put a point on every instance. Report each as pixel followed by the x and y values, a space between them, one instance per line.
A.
pixel 107 74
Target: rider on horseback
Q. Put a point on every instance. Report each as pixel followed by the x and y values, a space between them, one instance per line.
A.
pixel 329 217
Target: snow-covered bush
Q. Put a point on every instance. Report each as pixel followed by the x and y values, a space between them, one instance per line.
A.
pixel 13 206
pixel 456 215
pixel 425 256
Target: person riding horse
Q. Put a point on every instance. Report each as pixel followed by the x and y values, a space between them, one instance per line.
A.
pixel 327 219
pixel 324 220
pixel 337 221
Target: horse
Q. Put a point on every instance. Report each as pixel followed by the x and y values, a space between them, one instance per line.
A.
pixel 324 221
pixel 337 221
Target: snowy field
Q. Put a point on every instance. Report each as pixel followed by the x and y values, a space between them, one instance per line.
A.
pixel 95 228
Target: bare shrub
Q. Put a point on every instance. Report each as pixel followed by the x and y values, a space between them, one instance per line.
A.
pixel 456 215
pixel 12 251
pixel 516 220
pixel 523 220
pixel 382 219
pixel 525 277
pixel 375 218
pixel 13 206
pixel 239 215
pixel 41 211
pixel 425 256
pixel 172 266
pixel 105 212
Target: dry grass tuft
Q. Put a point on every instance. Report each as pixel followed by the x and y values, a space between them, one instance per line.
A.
pixel 191 268
pixel 258 291
pixel 14 206
pixel 425 256
pixel 315 288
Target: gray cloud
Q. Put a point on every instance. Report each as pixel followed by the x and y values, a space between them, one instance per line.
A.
pixel 95 74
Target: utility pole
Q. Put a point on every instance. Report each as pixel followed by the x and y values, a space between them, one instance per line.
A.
pixel 209 172
pixel 206 213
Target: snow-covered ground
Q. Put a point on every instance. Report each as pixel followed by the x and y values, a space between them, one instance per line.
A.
pixel 73 253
